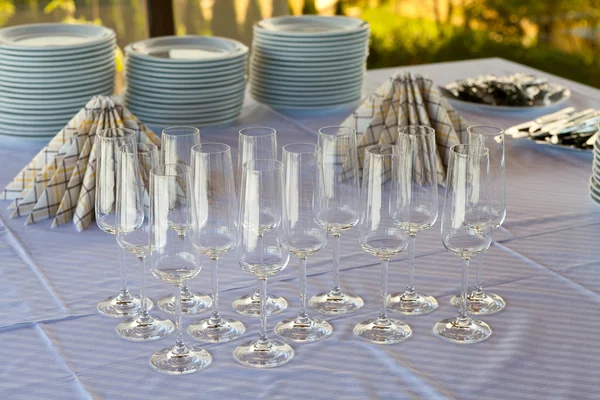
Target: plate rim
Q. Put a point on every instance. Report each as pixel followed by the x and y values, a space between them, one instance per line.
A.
pixel 240 49
pixel 359 24
pixel 104 34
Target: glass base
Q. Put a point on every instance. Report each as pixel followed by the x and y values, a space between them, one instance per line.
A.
pixel 382 331
pixel 250 305
pixel 412 303
pixel 145 328
pixel 216 331
pixel 121 306
pixel 175 361
pixel 467 331
pixel 304 330
pixel 336 303
pixel 269 354
pixel 193 304
pixel 481 303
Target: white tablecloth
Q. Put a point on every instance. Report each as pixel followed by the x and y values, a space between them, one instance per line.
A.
pixel 544 263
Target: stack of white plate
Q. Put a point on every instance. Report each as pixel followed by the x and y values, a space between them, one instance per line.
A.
pixel 48 72
pixel 308 61
pixel 186 80
pixel 595 180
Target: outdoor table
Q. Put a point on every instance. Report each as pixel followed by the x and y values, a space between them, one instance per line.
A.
pixel 544 262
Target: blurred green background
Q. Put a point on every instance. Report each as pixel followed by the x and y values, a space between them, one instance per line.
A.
pixel 558 36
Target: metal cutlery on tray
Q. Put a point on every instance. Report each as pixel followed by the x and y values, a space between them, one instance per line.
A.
pixel 567 128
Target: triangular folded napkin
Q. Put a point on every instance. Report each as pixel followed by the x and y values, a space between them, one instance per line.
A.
pixel 407 99
pixel 60 181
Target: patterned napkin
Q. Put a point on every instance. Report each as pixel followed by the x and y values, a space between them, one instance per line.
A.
pixel 60 181
pixel 407 99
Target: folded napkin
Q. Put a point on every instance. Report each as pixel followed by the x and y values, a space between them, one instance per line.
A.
pixel 407 99
pixel 60 181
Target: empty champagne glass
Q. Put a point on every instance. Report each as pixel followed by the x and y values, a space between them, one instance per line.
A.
pixel 384 193
pixel 423 189
pixel 172 258
pixel 256 143
pixel 176 148
pixel 107 146
pixel 492 137
pixel 466 230
pixel 134 166
pixel 305 235
pixel 214 232
pixel 337 207
pixel 262 250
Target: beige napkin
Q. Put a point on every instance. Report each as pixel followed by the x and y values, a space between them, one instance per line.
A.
pixel 60 181
pixel 407 99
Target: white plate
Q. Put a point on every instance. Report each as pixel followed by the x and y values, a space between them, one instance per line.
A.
pixel 216 73
pixel 192 71
pixel 469 106
pixel 58 61
pixel 182 114
pixel 52 37
pixel 184 95
pixel 307 101
pixel 326 73
pixel 331 79
pixel 34 120
pixel 299 90
pixel 79 101
pixel 301 59
pixel 311 25
pixel 61 93
pixel 306 105
pixel 262 37
pixel 220 102
pixel 36 117
pixel 15 84
pixel 51 75
pixel 186 49
pixel 306 96
pixel 259 61
pixel 32 131
pixel 191 121
pixel 187 110
pixel 187 68
pixel 182 84
pixel 310 52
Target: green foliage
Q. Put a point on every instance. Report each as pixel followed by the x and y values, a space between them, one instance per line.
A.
pixel 398 41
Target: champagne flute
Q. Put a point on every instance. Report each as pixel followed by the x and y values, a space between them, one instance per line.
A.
pixel 423 189
pixel 466 231
pixel 255 143
pixel 262 250
pixel 492 137
pixel 176 148
pixel 214 232
pixel 108 142
pixel 384 193
pixel 172 258
pixel 133 173
pixel 305 235
pixel 337 207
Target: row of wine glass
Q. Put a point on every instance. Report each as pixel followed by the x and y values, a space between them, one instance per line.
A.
pixel 284 208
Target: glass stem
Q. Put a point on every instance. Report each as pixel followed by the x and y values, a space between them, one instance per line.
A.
pixel 336 263
pixel 142 271
pixel 124 293
pixel 410 288
pixel 462 313
pixel 179 346
pixel 302 314
pixel 214 265
pixel 479 279
pixel 384 274
pixel 262 285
